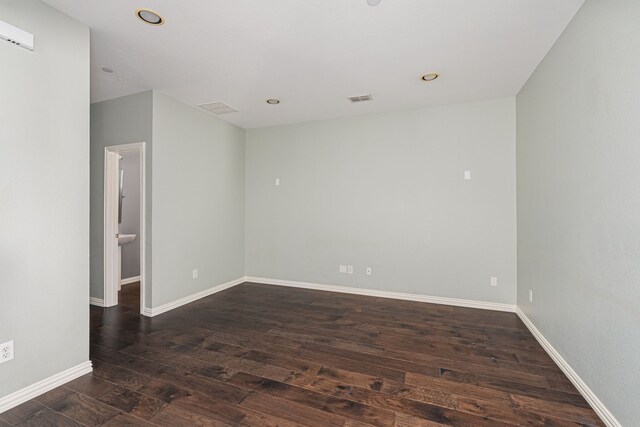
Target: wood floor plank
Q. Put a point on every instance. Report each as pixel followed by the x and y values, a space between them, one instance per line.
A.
pixel 189 380
pixel 211 408
pixel 173 416
pixel 108 355
pixel 453 387
pixel 118 375
pixel 514 387
pixel 133 403
pixel 90 385
pixel 127 420
pixel 83 409
pixel 404 420
pixel 259 355
pixel 48 418
pixel 445 410
pixel 556 410
pixel 295 412
pixel 20 412
pixel 324 402
pixel 163 390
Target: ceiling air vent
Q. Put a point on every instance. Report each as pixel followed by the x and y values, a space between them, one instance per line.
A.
pixel 218 108
pixel 360 98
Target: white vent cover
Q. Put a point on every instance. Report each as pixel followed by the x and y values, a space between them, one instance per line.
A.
pixel 16 36
pixel 360 98
pixel 218 108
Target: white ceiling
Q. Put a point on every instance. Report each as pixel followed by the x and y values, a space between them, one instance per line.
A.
pixel 312 54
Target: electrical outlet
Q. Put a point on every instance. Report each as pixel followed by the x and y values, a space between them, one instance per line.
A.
pixel 343 269
pixel 530 295
pixel 467 175
pixel 194 273
pixel 349 269
pixel 494 281
pixel 6 351
pixel 369 272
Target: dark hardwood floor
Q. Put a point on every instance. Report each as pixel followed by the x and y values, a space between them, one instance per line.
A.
pixel 258 355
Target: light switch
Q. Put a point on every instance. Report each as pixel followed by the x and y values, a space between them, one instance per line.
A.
pixel 277 181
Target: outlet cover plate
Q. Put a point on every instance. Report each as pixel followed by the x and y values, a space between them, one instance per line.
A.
pixel 6 352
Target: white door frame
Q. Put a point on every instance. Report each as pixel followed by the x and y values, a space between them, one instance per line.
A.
pixel 111 169
pixel 111 195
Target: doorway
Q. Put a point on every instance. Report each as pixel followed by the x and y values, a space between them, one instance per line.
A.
pixel 124 221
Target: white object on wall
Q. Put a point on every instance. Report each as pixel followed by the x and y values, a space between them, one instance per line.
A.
pixel 6 352
pixel 16 36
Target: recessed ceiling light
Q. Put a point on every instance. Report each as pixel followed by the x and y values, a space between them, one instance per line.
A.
pixel 149 17
pixel 373 2
pixel 107 70
pixel 273 101
pixel 429 77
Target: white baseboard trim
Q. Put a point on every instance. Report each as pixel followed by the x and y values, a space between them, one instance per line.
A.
pixel 151 312
pixel 34 390
pixel 597 405
pixel 96 301
pixel 129 280
pixel 511 308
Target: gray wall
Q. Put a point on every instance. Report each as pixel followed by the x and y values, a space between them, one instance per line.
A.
pixel 116 122
pixel 130 224
pixel 198 197
pixel 578 160
pixel 195 177
pixel 387 191
pixel 44 195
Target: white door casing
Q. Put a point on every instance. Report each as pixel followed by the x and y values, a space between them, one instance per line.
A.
pixel 111 202
pixel 111 264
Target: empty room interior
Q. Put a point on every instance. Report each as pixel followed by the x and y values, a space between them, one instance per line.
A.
pixel 408 213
